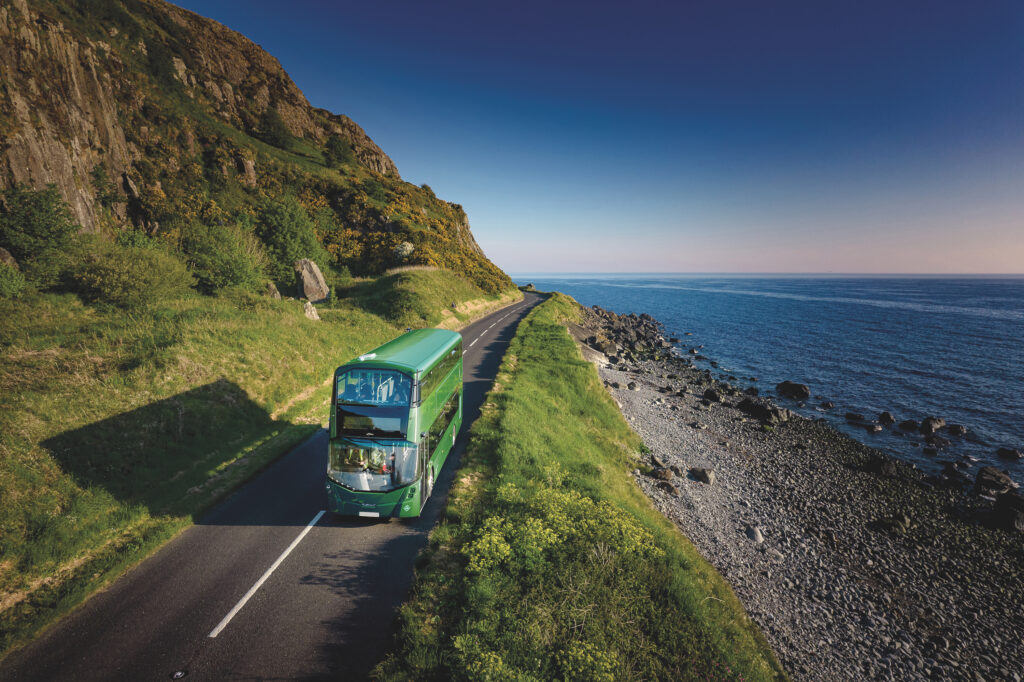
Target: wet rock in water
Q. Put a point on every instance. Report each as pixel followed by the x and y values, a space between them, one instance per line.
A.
pixel 827 405
pixel 937 441
pixel 930 425
pixel 956 430
pixel 886 418
pixel 754 533
pixel 854 417
pixel 703 475
pixel 872 428
pixel 793 390
pixel 1009 512
pixel 668 487
pixel 694 351
pixel 992 481
pixel 712 395
pixel 752 391
pixel 1009 453
pixel 930 451
pixel 910 425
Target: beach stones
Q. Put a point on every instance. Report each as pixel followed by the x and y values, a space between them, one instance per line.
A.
pixel 764 411
pixel 793 390
pixel 754 533
pixel 992 481
pixel 703 475
pixel 713 396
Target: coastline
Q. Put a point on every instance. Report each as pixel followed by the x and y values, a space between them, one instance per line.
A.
pixel 854 565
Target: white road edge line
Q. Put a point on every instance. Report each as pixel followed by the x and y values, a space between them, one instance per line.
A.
pixel 252 590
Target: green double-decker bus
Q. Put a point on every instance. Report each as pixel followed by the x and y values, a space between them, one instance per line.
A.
pixel 395 412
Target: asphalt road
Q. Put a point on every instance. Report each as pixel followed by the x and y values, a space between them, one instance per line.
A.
pixel 325 612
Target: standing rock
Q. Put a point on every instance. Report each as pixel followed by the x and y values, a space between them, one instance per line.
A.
pixel 703 475
pixel 310 281
pixel 272 291
pixel 7 259
pixel 310 311
pixel 793 390
pixel 930 425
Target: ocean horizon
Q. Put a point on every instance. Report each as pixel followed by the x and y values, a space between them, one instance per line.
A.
pixel 913 345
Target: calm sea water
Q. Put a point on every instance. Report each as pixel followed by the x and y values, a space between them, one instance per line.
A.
pixel 917 347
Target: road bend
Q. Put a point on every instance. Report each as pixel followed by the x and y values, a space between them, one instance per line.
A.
pixel 265 586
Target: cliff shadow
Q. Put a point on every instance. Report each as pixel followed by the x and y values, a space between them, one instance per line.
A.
pixel 161 453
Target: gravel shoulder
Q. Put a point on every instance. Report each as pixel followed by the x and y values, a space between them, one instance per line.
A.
pixel 855 566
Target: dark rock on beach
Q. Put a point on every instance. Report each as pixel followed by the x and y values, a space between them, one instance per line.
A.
pixel 992 481
pixel 793 390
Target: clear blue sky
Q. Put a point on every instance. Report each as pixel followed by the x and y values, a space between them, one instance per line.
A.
pixel 686 136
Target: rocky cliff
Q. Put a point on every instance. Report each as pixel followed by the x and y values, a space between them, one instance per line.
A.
pixel 144 114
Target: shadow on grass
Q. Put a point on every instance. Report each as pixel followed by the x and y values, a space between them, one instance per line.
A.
pixel 156 455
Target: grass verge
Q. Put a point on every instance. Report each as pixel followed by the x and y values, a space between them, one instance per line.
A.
pixel 117 430
pixel 550 563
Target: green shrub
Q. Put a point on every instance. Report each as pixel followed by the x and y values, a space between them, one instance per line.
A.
pixel 287 231
pixel 338 152
pixel 374 189
pixel 221 256
pixel 12 282
pixel 272 129
pixel 127 276
pixel 36 227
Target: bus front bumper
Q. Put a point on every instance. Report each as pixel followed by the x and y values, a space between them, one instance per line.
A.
pixel 404 502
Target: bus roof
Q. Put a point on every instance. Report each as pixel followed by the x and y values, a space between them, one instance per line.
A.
pixel 411 352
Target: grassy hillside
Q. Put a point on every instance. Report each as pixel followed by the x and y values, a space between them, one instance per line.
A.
pixel 550 562
pixel 117 427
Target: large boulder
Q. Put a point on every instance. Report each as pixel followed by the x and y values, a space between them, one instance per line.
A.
pixel 793 390
pixel 310 281
pixel 1009 512
pixel 764 411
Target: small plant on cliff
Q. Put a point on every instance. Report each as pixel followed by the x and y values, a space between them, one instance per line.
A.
pixel 36 227
pixel 272 129
pixel 338 152
pixel 287 231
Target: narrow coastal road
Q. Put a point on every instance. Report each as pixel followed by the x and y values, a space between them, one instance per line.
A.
pixel 265 586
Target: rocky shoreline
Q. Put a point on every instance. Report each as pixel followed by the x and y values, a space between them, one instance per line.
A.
pixel 854 565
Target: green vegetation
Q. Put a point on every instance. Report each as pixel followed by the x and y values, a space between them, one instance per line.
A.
pixel 285 227
pixel 12 282
pixel 550 563
pixel 273 130
pixel 119 427
pixel 36 227
pixel 126 276
pixel 338 152
pixel 222 256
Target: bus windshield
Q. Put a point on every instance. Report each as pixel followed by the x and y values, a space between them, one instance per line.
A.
pixel 373 466
pixel 377 387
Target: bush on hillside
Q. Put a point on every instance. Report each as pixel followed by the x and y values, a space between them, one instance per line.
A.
pixel 36 227
pixel 287 231
pixel 338 152
pixel 374 189
pixel 127 276
pixel 221 257
pixel 272 129
pixel 12 282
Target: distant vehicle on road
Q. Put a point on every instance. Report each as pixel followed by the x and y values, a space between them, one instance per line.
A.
pixel 395 412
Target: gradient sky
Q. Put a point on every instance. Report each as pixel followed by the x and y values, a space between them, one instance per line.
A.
pixel 709 136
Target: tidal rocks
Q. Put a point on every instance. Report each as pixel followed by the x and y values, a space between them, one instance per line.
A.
pixel 793 390
pixel 1009 512
pixel 827 405
pixel 764 411
pixel 910 425
pixel 711 395
pixel 956 430
pixel 930 425
pixel 703 475
pixel 1009 453
pixel 854 417
pixel 937 441
pixel 992 481
pixel 886 419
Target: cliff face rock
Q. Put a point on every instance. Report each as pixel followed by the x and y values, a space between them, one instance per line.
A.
pixel 67 99
pixel 58 109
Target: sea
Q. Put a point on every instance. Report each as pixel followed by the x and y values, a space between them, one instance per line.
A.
pixel 950 347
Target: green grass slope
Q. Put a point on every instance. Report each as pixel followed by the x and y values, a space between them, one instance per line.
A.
pixel 117 428
pixel 550 562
